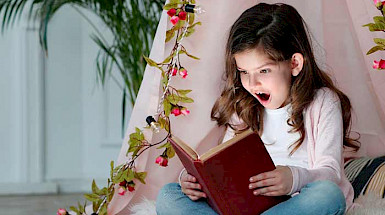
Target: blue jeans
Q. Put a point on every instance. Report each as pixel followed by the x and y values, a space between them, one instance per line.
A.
pixel 320 197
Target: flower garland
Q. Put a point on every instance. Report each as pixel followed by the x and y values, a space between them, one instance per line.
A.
pixel 182 15
pixel 378 25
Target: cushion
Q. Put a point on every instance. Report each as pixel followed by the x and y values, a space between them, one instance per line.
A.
pixel 367 175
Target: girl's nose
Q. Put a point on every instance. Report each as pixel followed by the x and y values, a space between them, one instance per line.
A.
pixel 254 80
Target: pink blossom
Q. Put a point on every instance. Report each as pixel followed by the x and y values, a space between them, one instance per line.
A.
pixel 176 111
pixel 162 161
pixel 183 73
pixel 171 12
pixel 121 191
pixel 379 64
pixel 182 15
pixel 174 71
pixel 131 187
pixel 185 111
pixel 174 20
pixel 61 211
pixel 379 1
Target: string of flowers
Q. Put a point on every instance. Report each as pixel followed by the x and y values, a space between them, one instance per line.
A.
pixel 378 25
pixel 124 177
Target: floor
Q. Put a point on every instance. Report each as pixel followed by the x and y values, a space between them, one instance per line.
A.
pixel 37 205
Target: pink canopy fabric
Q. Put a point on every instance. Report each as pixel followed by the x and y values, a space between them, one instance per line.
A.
pixel 340 44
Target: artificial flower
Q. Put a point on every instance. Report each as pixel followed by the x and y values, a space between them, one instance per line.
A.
pixel 131 187
pixel 162 161
pixel 185 111
pixel 174 20
pixel 182 15
pixel 183 72
pixel 61 211
pixel 176 111
pixel 174 71
pixel 121 191
pixel 379 64
pixel 171 12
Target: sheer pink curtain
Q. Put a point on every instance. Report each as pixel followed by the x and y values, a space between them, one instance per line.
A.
pixel 340 45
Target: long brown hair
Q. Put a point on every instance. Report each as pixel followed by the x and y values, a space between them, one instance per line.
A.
pixel 280 31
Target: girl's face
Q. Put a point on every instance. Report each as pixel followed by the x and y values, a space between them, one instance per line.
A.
pixel 267 80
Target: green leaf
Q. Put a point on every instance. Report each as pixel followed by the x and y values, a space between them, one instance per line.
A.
pixel 74 209
pixel 191 18
pixel 141 176
pixel 170 5
pixel 379 41
pixel 167 107
pixel 170 152
pixel 168 59
pixel 374 49
pixel 183 92
pixel 170 34
pixel 173 99
pixel 180 24
pixel 186 100
pixel 150 62
pixel 130 175
pixel 192 56
pixel 92 197
pixel 95 188
pixel 379 19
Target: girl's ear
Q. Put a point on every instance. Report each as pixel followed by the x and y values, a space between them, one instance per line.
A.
pixel 296 64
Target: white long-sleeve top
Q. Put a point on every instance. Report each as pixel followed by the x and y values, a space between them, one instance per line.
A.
pixel 324 146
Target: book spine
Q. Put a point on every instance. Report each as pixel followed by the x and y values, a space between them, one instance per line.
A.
pixel 213 196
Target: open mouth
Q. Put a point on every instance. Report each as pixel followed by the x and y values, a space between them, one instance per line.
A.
pixel 263 96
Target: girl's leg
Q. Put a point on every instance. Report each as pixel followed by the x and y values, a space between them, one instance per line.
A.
pixel 320 197
pixel 172 201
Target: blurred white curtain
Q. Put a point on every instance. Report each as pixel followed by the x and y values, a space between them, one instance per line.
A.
pixel 340 44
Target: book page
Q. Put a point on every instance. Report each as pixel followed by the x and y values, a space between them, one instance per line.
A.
pixel 191 152
pixel 224 145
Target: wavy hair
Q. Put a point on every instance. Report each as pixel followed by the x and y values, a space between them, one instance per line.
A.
pixel 280 31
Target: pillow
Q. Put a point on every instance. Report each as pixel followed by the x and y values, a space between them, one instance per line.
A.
pixel 367 175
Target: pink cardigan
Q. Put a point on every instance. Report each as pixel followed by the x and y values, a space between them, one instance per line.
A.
pixel 324 136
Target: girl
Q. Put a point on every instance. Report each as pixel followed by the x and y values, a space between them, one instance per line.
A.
pixel 275 87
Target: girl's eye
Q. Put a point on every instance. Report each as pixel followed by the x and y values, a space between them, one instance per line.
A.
pixel 264 71
pixel 242 71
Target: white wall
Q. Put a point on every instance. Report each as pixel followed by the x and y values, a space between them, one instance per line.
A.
pixel 59 129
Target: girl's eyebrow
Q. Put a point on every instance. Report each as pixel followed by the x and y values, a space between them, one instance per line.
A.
pixel 266 64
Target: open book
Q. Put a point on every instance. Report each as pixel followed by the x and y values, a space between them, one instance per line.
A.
pixel 224 172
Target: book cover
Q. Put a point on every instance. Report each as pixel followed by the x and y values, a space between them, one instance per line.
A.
pixel 224 172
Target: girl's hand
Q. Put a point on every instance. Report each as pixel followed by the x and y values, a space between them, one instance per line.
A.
pixel 274 183
pixel 191 187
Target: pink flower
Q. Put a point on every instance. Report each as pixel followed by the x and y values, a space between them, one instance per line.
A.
pixel 379 1
pixel 174 71
pixel 174 20
pixel 123 183
pixel 121 191
pixel 379 64
pixel 171 12
pixel 131 187
pixel 185 111
pixel 61 211
pixel 176 111
pixel 182 15
pixel 162 161
pixel 183 72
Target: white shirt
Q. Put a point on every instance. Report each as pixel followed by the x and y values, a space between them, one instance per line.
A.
pixel 277 138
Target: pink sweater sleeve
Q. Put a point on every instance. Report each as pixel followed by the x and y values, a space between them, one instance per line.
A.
pixel 324 127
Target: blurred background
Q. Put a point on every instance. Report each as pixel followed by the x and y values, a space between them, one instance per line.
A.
pixel 69 74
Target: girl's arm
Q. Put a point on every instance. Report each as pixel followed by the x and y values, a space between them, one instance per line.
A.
pixel 324 127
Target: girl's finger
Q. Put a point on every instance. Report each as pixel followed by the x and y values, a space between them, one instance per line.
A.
pixel 263 183
pixel 190 185
pixel 194 193
pixel 274 193
pixel 194 198
pixel 189 177
pixel 262 176
pixel 264 190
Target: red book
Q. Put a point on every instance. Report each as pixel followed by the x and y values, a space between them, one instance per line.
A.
pixel 224 172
